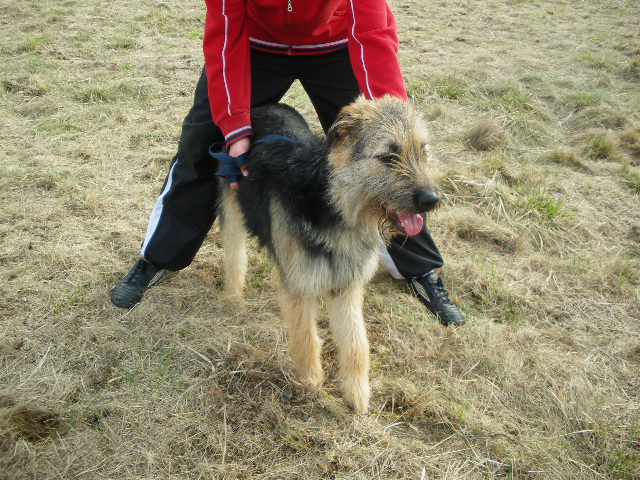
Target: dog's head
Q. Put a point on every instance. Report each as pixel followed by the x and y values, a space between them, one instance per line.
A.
pixel 379 151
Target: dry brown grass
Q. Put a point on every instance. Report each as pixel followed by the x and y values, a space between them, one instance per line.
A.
pixel 485 135
pixel 540 237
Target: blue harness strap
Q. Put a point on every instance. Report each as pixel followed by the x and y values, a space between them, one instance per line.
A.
pixel 230 168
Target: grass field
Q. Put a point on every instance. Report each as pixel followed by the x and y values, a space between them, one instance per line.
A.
pixel 534 107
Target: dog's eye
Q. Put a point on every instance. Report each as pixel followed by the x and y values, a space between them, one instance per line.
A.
pixel 387 158
pixel 391 155
pixel 394 148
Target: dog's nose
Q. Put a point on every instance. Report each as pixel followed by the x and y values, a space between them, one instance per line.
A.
pixel 427 200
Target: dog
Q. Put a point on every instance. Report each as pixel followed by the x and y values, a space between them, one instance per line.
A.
pixel 321 208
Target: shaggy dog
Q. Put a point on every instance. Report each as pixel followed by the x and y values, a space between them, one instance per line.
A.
pixel 322 207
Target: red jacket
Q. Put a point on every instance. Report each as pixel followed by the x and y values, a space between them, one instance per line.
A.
pixel 294 27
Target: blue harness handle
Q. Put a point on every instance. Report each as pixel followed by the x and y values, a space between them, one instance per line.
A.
pixel 230 168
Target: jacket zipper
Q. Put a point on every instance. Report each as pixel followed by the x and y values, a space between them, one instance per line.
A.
pixel 290 21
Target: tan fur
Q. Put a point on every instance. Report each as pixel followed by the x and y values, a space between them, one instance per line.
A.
pixel 357 187
pixel 234 239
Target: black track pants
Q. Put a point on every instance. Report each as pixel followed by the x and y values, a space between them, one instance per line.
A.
pixel 185 210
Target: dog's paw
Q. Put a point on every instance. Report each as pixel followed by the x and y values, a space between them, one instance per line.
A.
pixel 233 299
pixel 307 388
pixel 233 294
pixel 356 397
pixel 312 381
pixel 233 289
pixel 358 407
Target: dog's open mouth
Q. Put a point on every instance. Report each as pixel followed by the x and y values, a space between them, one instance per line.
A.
pixel 411 224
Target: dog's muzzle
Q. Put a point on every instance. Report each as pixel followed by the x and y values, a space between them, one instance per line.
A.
pixel 427 201
pixel 412 223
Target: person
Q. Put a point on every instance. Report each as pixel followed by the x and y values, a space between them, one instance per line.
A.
pixel 253 52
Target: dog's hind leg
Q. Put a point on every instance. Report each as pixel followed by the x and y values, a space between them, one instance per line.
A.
pixel 234 238
pixel 349 334
pixel 299 313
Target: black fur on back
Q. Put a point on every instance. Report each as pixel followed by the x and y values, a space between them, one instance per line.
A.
pixel 296 174
pixel 283 120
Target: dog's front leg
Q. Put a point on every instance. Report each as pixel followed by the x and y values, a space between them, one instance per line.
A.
pixel 350 336
pixel 233 236
pixel 299 312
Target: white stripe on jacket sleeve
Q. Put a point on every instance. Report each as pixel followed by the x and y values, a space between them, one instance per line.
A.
pixel 224 56
pixel 364 65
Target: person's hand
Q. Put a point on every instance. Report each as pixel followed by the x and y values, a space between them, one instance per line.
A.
pixel 236 149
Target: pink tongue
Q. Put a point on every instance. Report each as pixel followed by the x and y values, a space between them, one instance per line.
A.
pixel 412 224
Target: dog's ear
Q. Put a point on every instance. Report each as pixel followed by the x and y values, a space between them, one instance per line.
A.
pixel 340 128
pixel 349 118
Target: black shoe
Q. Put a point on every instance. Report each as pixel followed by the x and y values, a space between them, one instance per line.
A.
pixel 430 290
pixel 128 292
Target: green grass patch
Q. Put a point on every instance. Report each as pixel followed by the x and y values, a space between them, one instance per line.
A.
pixel 580 264
pixel 494 162
pixel 625 271
pixel 121 91
pixel 121 43
pixel 82 38
pixel 633 180
pixel 594 61
pixel 450 88
pixel 580 100
pixel 634 66
pixel 493 295
pixel 95 94
pixel 52 125
pixel 517 100
pixel 30 43
pixel 623 459
pixel 539 204
pixel 565 157
pixel 603 146
pixel 510 97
